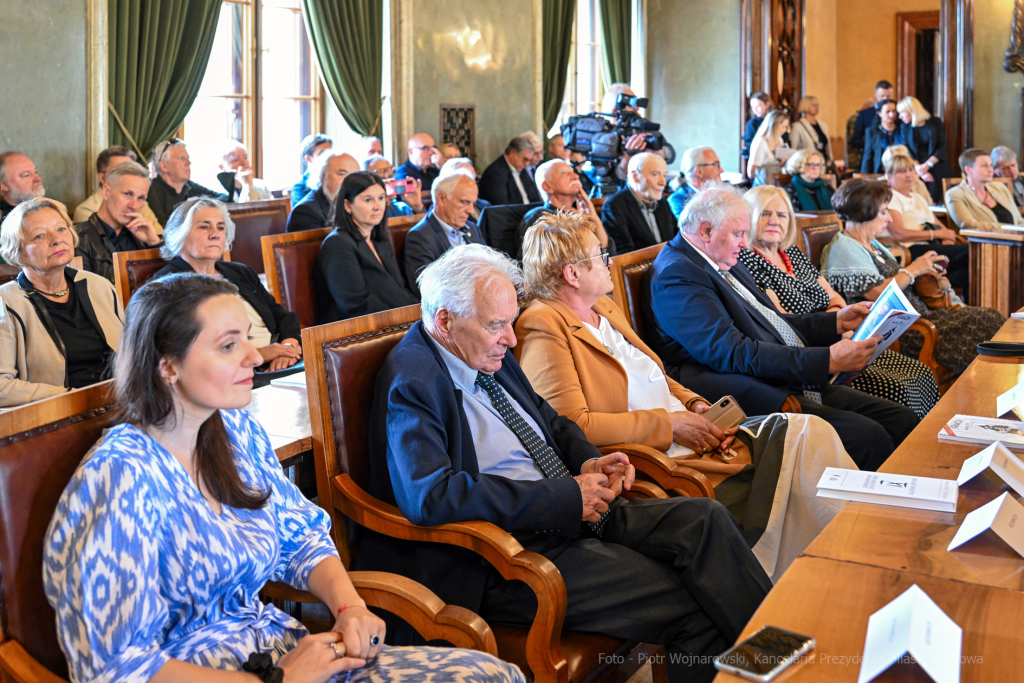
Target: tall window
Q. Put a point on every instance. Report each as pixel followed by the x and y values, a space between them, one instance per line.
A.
pixel 261 87
pixel 583 87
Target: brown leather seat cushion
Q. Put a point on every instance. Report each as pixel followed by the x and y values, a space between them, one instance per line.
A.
pixel 397 235
pixel 296 262
pixel 633 282
pixel 583 651
pixel 814 235
pixel 35 467
pixel 141 272
pixel 252 221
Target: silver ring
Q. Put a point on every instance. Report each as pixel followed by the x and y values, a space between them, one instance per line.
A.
pixel 374 640
pixel 706 449
pixel 338 654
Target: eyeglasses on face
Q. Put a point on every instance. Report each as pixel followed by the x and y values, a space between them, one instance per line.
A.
pixel 714 164
pixel 813 164
pixel 604 256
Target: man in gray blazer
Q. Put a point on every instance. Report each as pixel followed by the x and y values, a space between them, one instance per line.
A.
pixel 446 226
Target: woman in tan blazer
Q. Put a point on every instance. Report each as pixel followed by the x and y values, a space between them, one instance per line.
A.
pixel 581 355
pixel 977 203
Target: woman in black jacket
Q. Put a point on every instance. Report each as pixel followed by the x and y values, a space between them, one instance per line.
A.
pixel 197 234
pixel 925 137
pixel 357 272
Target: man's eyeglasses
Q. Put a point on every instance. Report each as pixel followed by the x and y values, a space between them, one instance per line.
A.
pixel 604 256
pixel 714 164
pixel 423 147
pixel 164 146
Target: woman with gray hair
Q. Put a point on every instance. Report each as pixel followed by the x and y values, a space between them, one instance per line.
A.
pixel 197 234
pixel 1004 162
pixel 59 327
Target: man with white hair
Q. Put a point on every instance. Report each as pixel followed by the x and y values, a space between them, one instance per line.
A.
pixel 465 165
pixel 538 153
pixel 457 433
pixel 697 166
pixel 19 182
pixel 327 172
pixel 374 146
pixel 712 326
pixel 419 165
pixel 506 181
pixel 238 177
pixel 173 183
pixel 119 224
pixel 447 225
pixel 1004 161
pixel 561 190
pixel 636 216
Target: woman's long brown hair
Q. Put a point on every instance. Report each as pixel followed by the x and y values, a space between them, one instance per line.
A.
pixel 163 322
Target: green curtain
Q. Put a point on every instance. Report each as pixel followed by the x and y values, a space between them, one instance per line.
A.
pixel 558 18
pixel 348 37
pixel 158 51
pixel 616 43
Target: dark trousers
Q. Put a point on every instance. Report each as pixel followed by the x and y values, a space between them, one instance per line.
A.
pixel 958 272
pixel 869 427
pixel 673 572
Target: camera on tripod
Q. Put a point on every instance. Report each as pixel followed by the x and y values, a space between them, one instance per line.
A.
pixel 603 142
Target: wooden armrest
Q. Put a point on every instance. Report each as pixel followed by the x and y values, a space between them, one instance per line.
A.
pixel 667 473
pixel 499 548
pixel 644 489
pixel 791 405
pixel 893 245
pixel 18 665
pixel 927 354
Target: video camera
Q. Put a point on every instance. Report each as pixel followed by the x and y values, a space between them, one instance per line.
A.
pixel 603 142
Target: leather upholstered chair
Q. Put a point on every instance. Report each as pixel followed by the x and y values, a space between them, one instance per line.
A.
pixel 342 363
pixel 290 260
pixel 254 220
pixel 814 233
pixel 398 228
pixel 8 273
pixel 41 445
pixel 132 269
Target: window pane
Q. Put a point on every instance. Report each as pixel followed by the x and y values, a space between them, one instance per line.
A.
pixel 210 123
pixel 285 123
pixel 283 34
pixel 225 73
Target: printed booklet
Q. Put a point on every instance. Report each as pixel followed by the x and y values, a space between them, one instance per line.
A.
pixel 890 317
pixel 970 429
pixel 900 490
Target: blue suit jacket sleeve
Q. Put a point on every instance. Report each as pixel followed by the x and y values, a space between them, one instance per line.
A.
pixel 430 491
pixel 691 311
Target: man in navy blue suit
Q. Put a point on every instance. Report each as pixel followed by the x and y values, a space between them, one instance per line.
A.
pixel 457 433
pixel 721 335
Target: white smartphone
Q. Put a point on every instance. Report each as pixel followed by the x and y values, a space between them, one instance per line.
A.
pixel 764 655
pixel 725 413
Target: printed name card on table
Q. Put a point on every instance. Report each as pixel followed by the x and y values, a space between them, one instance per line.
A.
pixel 925 493
pixel 1004 516
pixel 998 460
pixel 914 625
pixel 1010 406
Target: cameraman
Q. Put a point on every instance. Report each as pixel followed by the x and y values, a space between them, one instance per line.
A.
pixel 635 143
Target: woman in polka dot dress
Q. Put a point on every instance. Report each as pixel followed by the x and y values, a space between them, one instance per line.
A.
pixel 795 285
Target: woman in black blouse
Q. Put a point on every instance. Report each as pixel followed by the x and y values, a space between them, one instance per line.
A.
pixel 357 272
pixel 925 137
pixel 198 233
pixel 795 286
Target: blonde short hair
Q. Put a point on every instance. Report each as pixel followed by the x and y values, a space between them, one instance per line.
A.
pixel 758 198
pixel 797 162
pixel 12 234
pixel 893 150
pixel 911 105
pixel 898 163
pixel 805 104
pixel 552 243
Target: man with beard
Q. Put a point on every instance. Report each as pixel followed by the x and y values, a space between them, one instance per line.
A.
pixel 19 182
pixel 329 169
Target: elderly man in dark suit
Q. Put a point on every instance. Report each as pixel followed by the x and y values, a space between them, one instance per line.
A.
pixel 328 170
pixel 447 225
pixel 506 181
pixel 637 216
pixel 715 330
pixel 457 433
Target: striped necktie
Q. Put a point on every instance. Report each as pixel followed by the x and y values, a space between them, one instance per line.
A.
pixel 539 450
pixel 781 326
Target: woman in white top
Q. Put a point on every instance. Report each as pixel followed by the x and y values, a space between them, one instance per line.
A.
pixel 810 133
pixel 919 186
pixel 769 151
pixel 580 354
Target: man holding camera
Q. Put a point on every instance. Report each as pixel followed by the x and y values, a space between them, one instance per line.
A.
pixel 636 217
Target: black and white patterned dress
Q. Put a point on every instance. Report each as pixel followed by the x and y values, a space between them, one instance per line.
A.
pixel 892 376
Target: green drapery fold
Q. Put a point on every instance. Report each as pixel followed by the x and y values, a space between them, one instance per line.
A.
pixel 616 43
pixel 158 52
pixel 558 18
pixel 348 38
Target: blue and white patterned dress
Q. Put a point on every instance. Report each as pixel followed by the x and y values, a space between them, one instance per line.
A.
pixel 140 570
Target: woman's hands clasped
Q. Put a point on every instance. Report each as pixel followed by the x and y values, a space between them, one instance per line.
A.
pixel 317 658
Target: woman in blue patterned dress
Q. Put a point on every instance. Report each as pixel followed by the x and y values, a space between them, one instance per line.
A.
pixel 177 517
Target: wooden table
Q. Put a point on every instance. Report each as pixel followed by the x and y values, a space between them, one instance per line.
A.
pixel 831 601
pixel 997 269
pixel 284 413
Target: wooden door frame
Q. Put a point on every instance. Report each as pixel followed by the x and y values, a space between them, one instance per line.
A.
pixel 908 26
pixel 955 95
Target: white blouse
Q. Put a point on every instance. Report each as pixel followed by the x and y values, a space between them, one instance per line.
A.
pixel 648 387
pixel 915 211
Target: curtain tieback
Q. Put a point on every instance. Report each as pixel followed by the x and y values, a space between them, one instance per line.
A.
pixel 124 130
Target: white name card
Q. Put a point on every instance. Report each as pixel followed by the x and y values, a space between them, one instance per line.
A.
pixel 1010 406
pixel 1004 516
pixel 998 459
pixel 912 624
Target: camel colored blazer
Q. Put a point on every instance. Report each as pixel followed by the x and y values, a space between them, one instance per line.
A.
pixel 969 213
pixel 579 378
